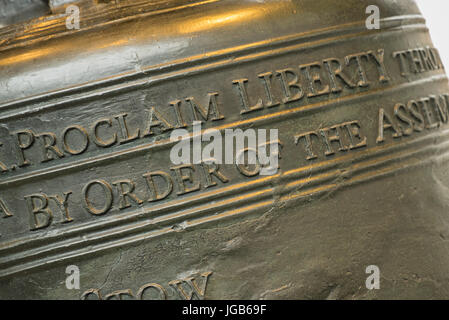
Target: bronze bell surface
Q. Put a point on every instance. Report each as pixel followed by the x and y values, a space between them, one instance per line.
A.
pixel 353 115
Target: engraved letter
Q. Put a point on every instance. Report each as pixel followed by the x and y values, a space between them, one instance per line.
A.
pixel 119 294
pixel 413 107
pixel 385 123
pixel 416 61
pixel 288 85
pixel 125 194
pixel 176 106
pixel 5 210
pixel 428 113
pixel 308 143
pixel 336 137
pixel 335 69
pixel 124 129
pixel 23 145
pixel 40 209
pixel 241 84
pixel 107 195
pixel 154 194
pixel 266 79
pixel 204 112
pixel 211 169
pixel 427 60
pixel 402 58
pixel 363 82
pixel 99 141
pixel 181 178
pixel 160 289
pixel 440 105
pixel 2 165
pixel 155 119
pixel 85 144
pixel 50 148
pixel 63 205
pixel 314 79
pixel 353 129
pixel 379 59
pixel 194 288
pixel 400 111
pixel 89 292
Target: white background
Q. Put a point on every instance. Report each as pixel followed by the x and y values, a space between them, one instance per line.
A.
pixel 436 13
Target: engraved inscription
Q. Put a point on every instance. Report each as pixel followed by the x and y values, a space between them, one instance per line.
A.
pixel 152 180
pixel 418 60
pixel 33 147
pixel 405 119
pixel 191 288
